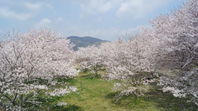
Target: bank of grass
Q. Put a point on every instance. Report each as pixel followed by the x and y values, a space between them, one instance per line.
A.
pixel 95 94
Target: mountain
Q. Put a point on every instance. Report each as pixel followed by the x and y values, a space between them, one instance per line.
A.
pixel 84 41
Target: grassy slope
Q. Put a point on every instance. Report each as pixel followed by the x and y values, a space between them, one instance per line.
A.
pixel 97 95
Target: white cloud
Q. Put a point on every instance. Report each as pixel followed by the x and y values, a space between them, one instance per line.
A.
pixel 139 8
pixel 33 6
pixel 29 9
pixel 105 7
pixel 43 23
pixel 122 8
pixel 7 13
pixel 97 6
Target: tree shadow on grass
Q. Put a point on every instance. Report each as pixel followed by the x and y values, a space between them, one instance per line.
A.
pixel 67 108
pixel 161 100
pixel 91 76
pixel 111 95
pixel 125 101
pixel 170 103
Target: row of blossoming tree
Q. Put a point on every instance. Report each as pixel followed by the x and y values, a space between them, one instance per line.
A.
pixel 147 59
pixel 26 57
pixel 150 56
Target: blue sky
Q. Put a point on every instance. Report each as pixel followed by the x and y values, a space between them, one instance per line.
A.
pixel 105 19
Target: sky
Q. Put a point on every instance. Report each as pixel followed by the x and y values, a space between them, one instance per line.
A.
pixel 104 19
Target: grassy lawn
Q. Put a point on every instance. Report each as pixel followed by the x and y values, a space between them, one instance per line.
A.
pixel 97 95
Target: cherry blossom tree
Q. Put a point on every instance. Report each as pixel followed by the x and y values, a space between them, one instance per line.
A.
pixel 135 55
pixel 90 58
pixel 184 85
pixel 124 60
pixel 179 35
pixel 36 54
pixel 133 62
pixel 50 53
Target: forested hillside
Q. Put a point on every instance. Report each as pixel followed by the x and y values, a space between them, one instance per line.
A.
pixel 79 42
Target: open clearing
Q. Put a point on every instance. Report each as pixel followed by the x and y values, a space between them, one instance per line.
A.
pixel 96 94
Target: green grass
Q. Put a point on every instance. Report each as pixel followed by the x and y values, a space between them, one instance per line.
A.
pixel 95 94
